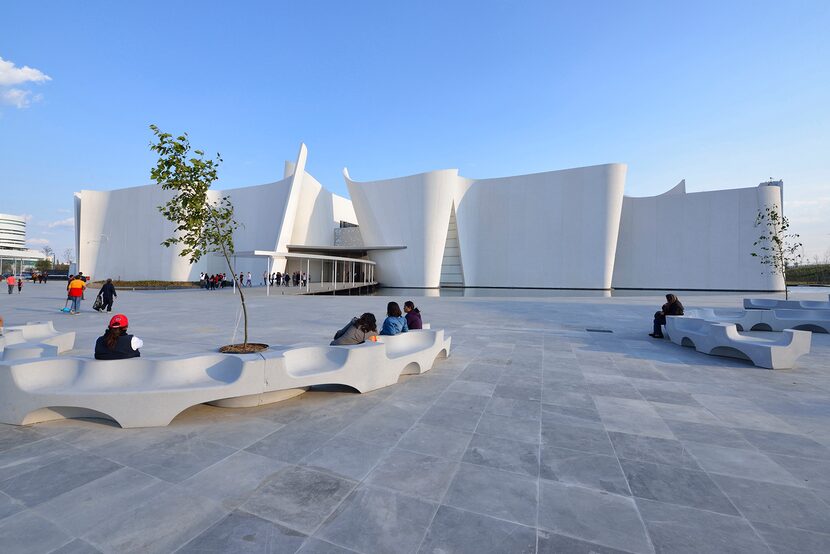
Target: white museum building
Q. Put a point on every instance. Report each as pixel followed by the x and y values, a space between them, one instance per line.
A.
pixel 566 229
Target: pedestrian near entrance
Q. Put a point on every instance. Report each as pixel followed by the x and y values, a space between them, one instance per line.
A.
pixel 10 282
pixel 248 280
pixel 20 285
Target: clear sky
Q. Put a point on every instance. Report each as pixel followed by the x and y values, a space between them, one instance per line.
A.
pixel 723 94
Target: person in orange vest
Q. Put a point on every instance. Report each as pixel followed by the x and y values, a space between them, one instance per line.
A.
pixel 10 282
pixel 76 291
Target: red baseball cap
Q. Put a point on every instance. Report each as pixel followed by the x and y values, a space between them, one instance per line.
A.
pixel 119 320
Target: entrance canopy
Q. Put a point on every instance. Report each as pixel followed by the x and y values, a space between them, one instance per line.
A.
pixel 344 272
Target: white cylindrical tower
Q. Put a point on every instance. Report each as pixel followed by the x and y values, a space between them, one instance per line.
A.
pixel 12 232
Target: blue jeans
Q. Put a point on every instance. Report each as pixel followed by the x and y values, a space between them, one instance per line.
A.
pixel 76 303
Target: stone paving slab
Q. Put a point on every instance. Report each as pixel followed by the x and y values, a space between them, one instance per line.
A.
pixel 534 436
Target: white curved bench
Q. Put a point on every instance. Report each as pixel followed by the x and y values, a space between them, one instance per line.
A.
pixel 723 339
pixel 38 332
pixel 817 321
pixel 364 367
pixel 150 392
pixel 745 320
pixel 773 304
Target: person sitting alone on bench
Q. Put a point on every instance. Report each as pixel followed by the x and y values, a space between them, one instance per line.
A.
pixel 357 331
pixel 672 307
pixel 116 343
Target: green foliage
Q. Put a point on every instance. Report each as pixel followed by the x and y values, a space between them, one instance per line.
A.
pixel 776 247
pixel 204 225
pixel 43 265
pixel 814 274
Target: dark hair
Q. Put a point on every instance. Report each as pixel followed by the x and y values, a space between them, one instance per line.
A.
pixel 671 298
pixel 111 336
pixel 409 304
pixel 393 310
pixel 367 323
pixel 109 280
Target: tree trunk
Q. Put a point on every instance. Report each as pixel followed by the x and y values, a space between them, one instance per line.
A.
pixel 241 295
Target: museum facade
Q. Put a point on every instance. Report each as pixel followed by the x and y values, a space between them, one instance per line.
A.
pixel 566 229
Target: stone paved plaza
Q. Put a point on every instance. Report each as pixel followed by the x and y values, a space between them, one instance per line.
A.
pixel 534 436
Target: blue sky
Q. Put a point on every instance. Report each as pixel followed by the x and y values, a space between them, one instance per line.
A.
pixel 723 94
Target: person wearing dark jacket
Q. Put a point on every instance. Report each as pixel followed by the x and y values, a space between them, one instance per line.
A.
pixel 107 294
pixel 357 331
pixel 413 315
pixel 116 343
pixel 672 307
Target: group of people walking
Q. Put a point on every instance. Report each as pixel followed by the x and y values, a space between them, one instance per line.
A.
pixel 363 328
pixel 297 279
pixel 211 282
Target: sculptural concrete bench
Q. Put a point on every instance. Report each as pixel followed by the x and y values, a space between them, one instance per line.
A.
pixel 774 304
pixel 817 321
pixel 33 340
pixel 723 339
pixel 150 392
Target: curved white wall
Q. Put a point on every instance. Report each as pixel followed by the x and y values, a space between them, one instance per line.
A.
pixel 556 229
pixel 121 233
pixel 550 230
pixel 700 240
pixel 411 211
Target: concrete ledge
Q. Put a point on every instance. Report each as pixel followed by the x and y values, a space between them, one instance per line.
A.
pixel 148 392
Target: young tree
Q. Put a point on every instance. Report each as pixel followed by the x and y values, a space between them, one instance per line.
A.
pixel 47 251
pixel 777 247
pixel 69 256
pixel 203 226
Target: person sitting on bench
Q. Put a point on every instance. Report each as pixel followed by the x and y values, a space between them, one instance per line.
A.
pixel 357 331
pixel 116 343
pixel 395 322
pixel 672 307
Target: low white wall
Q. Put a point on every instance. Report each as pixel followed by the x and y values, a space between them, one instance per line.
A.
pixel 700 240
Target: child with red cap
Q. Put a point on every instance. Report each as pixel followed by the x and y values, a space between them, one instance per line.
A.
pixel 116 343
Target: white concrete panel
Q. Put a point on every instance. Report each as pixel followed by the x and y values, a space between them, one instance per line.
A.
pixel 701 240
pixel 120 234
